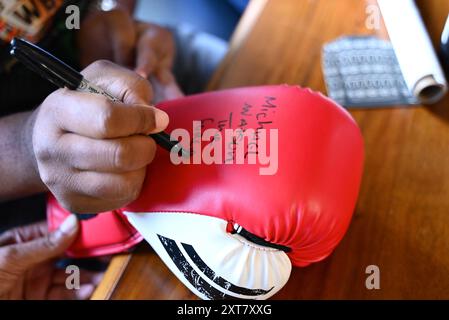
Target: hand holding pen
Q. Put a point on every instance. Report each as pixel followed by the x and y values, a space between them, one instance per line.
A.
pixel 91 151
pixel 63 76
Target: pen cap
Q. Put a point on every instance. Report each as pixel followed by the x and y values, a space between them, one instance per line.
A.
pixel 35 67
pixel 51 67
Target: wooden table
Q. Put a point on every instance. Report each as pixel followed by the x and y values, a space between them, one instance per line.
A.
pixel 401 223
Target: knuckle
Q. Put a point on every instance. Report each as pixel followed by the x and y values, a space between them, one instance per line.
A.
pixel 53 99
pixel 134 191
pixel 97 68
pixel 52 107
pixel 42 152
pixel 137 88
pixel 131 189
pixel 123 158
pixel 99 64
pixel 9 253
pixel 105 118
pixel 48 242
pixel 49 179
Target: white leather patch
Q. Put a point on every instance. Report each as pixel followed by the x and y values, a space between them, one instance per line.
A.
pixel 211 262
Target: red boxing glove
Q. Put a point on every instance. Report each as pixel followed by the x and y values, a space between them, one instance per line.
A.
pixel 235 230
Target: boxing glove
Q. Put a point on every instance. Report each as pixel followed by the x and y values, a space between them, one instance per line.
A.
pixel 277 189
pixel 99 235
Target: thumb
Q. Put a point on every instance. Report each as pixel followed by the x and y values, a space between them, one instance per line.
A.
pixel 28 254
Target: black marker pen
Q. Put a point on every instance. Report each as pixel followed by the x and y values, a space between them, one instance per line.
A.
pixel 64 76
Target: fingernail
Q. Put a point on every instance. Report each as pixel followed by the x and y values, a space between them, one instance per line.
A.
pixel 70 225
pixel 85 292
pixel 162 119
pixel 142 73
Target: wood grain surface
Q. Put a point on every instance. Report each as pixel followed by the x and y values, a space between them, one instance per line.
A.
pixel 401 223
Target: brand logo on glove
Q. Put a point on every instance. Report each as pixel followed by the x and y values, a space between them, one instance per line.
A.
pixel 197 280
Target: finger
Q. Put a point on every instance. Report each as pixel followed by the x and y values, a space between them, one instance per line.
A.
pixel 164 72
pixel 23 234
pixel 148 62
pixel 97 117
pixel 163 92
pixel 112 155
pixel 146 59
pixel 124 84
pixel 123 188
pixel 165 76
pixel 155 50
pixel 85 204
pixel 124 40
pixel 26 255
pixel 62 293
